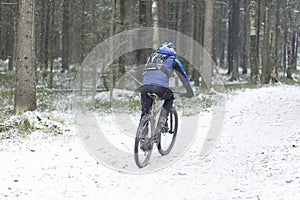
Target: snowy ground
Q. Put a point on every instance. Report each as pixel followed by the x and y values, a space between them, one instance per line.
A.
pixel 257 156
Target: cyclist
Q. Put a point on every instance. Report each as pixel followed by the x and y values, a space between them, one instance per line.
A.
pixel 159 68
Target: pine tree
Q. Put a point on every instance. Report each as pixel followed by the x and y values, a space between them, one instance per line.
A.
pixel 25 85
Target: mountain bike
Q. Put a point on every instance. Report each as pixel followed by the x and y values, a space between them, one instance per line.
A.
pixel 151 131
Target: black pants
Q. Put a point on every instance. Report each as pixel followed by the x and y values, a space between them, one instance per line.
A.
pixel 162 92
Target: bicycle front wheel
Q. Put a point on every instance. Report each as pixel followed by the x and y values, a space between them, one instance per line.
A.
pixel 143 143
pixel 167 138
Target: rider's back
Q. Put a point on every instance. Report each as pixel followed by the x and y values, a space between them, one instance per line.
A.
pixel 160 73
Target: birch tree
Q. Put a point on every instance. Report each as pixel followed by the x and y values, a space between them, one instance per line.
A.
pixel 254 74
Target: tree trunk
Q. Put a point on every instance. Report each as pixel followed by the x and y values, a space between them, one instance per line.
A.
pixel 258 30
pixel 94 79
pixel 235 41
pixel 289 42
pixel 230 39
pixel 1 27
pixel 155 24
pixel 41 38
pixel 122 58
pixel 46 38
pixel 25 88
pixel 111 34
pixel 224 33
pixel 197 35
pixel 65 35
pixel 294 49
pixel 285 36
pixel 241 37
pixel 265 55
pixel 268 43
pixel 254 76
pixel 52 41
pixel 207 71
pixel 246 47
pixel 82 31
pixel 277 41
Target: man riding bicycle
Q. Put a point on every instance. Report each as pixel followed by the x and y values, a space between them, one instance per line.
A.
pixel 159 68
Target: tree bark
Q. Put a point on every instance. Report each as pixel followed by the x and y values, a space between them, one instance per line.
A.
pixel 122 58
pixel 65 35
pixel 277 40
pixel 254 75
pixel 25 85
pixel 197 35
pixel 46 37
pixel 1 27
pixel 207 71
pixel 111 34
pixel 294 49
pixel 258 31
pixel 268 43
pixel 230 39
pixel 289 42
pixel 246 47
pixel 52 41
pixel 82 30
pixel 94 32
pixel 235 39
pixel 155 24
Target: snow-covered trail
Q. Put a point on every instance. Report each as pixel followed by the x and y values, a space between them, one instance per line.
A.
pixel 257 156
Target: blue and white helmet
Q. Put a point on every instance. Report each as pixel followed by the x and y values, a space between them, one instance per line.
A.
pixel 169 45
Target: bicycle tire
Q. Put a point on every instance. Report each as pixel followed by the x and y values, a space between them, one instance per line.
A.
pixel 172 132
pixel 142 157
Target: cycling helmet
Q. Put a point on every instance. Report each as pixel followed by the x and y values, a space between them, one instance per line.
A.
pixel 169 45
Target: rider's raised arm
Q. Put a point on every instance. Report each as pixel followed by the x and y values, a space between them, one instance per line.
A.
pixel 183 78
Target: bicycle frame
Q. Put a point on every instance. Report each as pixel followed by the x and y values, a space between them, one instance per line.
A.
pixel 143 148
pixel 155 109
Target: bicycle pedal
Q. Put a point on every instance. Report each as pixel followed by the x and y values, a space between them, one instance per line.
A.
pixel 142 145
pixel 146 145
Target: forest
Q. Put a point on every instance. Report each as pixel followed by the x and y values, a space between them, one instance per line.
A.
pixel 43 43
pixel 70 105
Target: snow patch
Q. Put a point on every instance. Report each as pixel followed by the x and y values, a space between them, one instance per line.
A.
pixel 29 122
pixel 256 157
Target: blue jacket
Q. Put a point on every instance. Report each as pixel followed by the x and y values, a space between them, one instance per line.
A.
pixel 161 76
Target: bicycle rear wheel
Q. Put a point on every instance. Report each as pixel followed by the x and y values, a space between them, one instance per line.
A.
pixel 167 139
pixel 143 145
